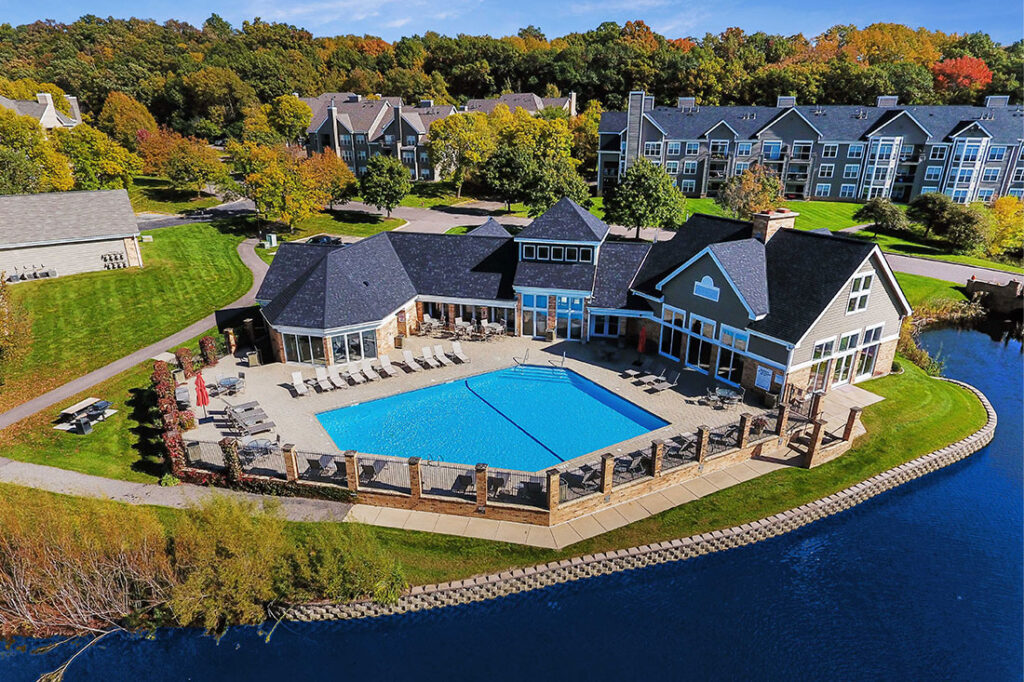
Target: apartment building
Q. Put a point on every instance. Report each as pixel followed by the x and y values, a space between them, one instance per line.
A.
pixel 357 129
pixel 832 152
pixel 43 110
pixel 528 101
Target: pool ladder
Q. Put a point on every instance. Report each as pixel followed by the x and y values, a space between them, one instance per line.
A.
pixel 525 358
pixel 555 363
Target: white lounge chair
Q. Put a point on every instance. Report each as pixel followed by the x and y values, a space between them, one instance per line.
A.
pixel 440 355
pixel 323 382
pixel 410 362
pixel 335 377
pixel 368 371
pixel 299 385
pixel 352 372
pixel 666 384
pixel 457 352
pixel 386 367
pixel 428 358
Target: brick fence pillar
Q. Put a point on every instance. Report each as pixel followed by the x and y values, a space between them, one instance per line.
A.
pixel 703 434
pixel 816 400
pixel 813 448
pixel 230 341
pixel 744 435
pixel 415 487
pixel 291 465
pixel 552 312
pixel 352 470
pixel 481 487
pixel 780 429
pixel 419 314
pixel 554 489
pixel 657 456
pixel 607 472
pixel 851 423
pixel 451 316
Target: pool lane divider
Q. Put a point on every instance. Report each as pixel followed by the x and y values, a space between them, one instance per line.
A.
pixel 510 421
pixel 517 580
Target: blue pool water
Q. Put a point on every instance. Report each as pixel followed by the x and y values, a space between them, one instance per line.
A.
pixel 923 582
pixel 527 418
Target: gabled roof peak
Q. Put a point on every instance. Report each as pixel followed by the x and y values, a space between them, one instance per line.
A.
pixel 566 221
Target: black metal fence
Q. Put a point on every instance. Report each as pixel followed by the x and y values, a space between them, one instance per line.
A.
pixel 205 455
pixel 723 438
pixel 631 467
pixel 679 450
pixel 583 480
pixel 517 487
pixel 321 467
pixel 388 474
pixel 448 480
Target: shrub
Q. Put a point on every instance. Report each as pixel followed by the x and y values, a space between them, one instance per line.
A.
pixel 186 420
pixel 229 446
pixel 208 349
pixel 185 361
pixel 169 480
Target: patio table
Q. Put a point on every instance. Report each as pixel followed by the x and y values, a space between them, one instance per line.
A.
pixel 727 393
pixel 229 383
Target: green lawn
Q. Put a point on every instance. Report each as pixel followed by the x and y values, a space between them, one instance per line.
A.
pixel 920 414
pixel 155 195
pixel 831 215
pixel 341 222
pixel 921 290
pixel 82 322
pixel 461 229
pixel 913 243
pixel 431 194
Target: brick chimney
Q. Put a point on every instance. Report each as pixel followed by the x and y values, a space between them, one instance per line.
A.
pixel 765 225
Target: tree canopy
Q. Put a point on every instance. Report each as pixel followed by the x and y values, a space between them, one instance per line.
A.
pixel 385 183
pixel 755 190
pixel 644 197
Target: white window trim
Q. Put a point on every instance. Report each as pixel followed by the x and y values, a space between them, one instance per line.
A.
pixel 868 330
pixel 696 151
pixel 830 150
pixel 823 358
pixel 853 347
pixel 831 167
pixel 859 147
pixel 860 293
pixel 822 189
pixel 749 146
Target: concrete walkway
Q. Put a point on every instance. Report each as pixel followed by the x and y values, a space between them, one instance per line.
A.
pixel 72 388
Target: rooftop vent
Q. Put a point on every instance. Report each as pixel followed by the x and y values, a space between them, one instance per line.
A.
pixel 860 114
pixel 885 101
pixel 785 102
pixel 426 103
pixel 993 101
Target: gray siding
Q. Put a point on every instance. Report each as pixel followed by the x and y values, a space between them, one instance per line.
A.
pixel 66 259
pixel 883 306
pixel 728 310
pixel 768 349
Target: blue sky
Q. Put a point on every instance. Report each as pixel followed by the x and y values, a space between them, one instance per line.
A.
pixel 392 19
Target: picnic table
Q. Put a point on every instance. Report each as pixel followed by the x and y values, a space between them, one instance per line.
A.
pixel 79 408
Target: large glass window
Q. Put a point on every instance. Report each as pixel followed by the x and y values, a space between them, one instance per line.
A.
pixel 698 352
pixel 355 346
pixel 859 293
pixel 305 349
pixel 535 314
pixel 673 332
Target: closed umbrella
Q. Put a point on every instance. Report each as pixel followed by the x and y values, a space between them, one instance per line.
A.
pixel 202 395
pixel 642 343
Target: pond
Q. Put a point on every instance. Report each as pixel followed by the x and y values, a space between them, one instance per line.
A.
pixel 923 581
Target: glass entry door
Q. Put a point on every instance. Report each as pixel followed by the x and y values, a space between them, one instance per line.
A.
pixel 844 365
pixel 569 318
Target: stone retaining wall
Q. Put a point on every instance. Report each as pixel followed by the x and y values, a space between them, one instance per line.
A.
pixel 534 577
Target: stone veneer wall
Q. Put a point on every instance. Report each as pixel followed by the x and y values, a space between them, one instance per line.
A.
pixel 482 588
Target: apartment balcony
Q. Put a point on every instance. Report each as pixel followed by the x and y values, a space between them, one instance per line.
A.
pixel 800 156
pixel 719 156
pixel 797 177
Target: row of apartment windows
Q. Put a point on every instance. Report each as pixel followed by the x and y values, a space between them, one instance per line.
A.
pixel 967 152
pixel 345 138
pixel 560 254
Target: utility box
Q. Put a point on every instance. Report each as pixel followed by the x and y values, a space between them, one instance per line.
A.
pixel 253 358
pixel 271 239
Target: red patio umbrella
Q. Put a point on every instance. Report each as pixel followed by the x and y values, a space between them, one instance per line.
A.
pixel 202 395
pixel 642 343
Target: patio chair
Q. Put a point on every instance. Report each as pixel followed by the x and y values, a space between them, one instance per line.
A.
pixel 410 362
pixel 314 467
pixel 335 377
pixel 386 367
pixel 458 354
pixel 352 372
pixel 495 484
pixel 462 484
pixel 322 381
pixel 298 385
pixel 633 463
pixel 666 384
pixel 591 477
pixel 428 358
pixel 634 372
pixel 261 427
pixel 650 378
pixel 368 371
pixel 243 407
pixel 369 472
pixel 440 355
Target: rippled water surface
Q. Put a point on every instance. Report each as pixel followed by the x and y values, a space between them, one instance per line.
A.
pixel 921 582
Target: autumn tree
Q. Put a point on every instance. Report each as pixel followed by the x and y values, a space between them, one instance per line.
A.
pixel 585 137
pixel 193 166
pixel 968 228
pixel 1008 235
pixel 508 172
pixel 29 162
pixel 289 117
pixel 644 197
pixel 332 176
pixel 156 147
pixel 962 75
pixel 97 162
pixel 385 183
pixel 883 215
pixel 122 118
pixel 278 185
pixel 459 145
pixel 755 190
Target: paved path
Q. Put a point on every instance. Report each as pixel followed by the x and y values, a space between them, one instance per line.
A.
pixel 951 272
pixel 152 221
pixel 76 386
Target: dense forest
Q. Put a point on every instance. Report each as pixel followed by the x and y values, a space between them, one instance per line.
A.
pixel 198 80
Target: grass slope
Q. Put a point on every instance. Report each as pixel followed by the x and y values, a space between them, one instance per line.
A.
pixel 913 243
pixel 150 194
pixel 82 322
pixel 921 290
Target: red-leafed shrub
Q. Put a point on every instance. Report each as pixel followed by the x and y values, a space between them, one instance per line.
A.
pixel 186 420
pixel 208 348
pixel 188 366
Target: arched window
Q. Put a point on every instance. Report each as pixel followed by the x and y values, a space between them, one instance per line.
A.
pixel 705 288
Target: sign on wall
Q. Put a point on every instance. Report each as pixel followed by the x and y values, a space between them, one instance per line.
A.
pixel 764 378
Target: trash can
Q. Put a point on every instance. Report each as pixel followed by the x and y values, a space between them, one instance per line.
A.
pixel 253 358
pixel 83 425
pixel 399 342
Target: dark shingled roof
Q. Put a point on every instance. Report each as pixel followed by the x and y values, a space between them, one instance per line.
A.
pixel 617 264
pixel 698 232
pixel 566 221
pixel 456 266
pixel 744 262
pixel 491 228
pixel 291 260
pixel 346 286
pixel 805 272
pixel 575 276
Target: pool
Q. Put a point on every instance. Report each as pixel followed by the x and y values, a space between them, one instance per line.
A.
pixel 526 417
